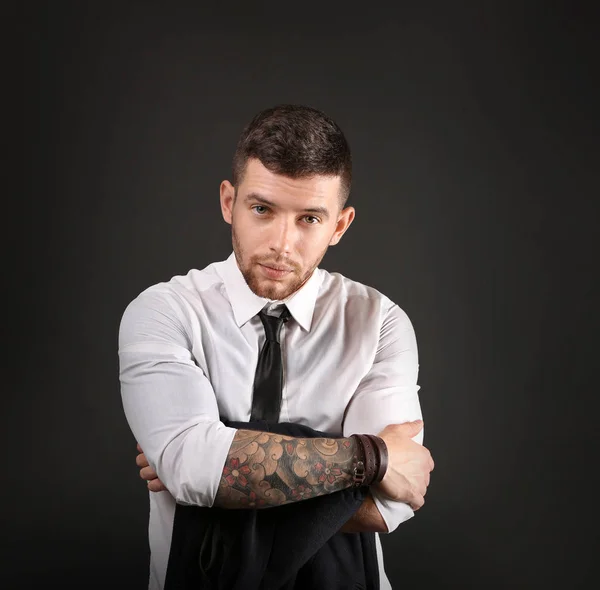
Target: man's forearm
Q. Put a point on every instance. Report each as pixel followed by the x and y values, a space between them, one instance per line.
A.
pixel 264 469
pixel 367 519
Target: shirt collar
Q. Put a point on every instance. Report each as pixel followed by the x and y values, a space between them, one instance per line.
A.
pixel 246 304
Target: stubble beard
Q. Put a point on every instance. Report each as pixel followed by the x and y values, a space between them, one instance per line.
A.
pixel 258 285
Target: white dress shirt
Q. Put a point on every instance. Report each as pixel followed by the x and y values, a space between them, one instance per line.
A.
pixel 188 351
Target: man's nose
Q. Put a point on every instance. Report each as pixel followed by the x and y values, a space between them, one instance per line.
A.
pixel 282 236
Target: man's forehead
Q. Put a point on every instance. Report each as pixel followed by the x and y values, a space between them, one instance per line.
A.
pixel 258 179
pixel 256 170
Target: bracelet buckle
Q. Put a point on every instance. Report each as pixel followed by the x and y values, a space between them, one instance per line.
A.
pixel 359 474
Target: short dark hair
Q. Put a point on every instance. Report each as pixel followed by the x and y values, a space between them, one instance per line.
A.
pixel 295 141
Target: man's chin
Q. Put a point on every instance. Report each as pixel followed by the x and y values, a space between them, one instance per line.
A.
pixel 276 293
pixel 270 289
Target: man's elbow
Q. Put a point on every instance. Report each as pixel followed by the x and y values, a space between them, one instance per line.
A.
pixel 178 467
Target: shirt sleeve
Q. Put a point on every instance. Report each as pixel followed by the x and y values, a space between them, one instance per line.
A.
pixel 388 394
pixel 168 401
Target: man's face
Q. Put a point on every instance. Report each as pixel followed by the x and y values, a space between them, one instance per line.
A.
pixel 282 227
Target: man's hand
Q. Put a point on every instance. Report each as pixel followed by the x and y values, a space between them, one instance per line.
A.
pixel 147 473
pixel 409 466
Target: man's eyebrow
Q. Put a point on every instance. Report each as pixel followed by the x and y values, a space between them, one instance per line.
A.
pixel 256 197
pixel 260 199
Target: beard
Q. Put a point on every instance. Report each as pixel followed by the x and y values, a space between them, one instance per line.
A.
pixel 263 287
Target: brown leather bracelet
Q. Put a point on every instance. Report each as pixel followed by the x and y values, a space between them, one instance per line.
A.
pixel 382 452
pixel 371 463
pixel 359 474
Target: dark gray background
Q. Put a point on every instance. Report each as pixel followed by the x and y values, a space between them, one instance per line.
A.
pixel 474 131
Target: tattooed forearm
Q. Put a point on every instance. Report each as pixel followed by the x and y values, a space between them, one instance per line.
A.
pixel 265 469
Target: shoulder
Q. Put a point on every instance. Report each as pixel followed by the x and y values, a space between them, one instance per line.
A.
pixel 171 306
pixel 345 291
pixel 179 291
pixel 360 300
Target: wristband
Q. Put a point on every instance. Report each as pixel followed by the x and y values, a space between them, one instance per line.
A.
pixel 359 464
pixel 382 456
pixel 367 465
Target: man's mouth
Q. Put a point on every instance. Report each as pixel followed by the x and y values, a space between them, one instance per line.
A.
pixel 275 271
pixel 276 267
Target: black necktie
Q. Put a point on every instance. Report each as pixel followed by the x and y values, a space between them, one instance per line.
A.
pixel 268 380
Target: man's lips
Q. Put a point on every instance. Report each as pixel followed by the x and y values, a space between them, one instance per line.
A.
pixel 276 271
pixel 275 267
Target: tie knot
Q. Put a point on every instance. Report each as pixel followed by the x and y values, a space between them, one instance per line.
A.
pixel 273 324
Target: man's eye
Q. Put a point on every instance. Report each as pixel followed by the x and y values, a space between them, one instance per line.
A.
pixel 260 209
pixel 311 219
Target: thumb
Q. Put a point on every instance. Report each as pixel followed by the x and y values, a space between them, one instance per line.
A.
pixel 412 428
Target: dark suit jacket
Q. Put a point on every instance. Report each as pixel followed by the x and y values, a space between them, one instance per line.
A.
pixel 292 547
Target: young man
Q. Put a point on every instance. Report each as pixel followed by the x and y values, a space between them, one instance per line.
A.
pixel 346 358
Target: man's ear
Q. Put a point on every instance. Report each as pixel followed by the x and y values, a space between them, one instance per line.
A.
pixel 227 191
pixel 345 218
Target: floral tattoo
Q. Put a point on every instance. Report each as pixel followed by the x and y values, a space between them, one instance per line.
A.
pixel 265 469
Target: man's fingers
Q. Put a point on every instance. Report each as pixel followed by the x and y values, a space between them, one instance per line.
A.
pixel 156 486
pixel 141 460
pixel 417 502
pixel 148 473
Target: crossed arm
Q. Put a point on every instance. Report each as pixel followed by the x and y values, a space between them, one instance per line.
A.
pixel 264 470
pixel 156 358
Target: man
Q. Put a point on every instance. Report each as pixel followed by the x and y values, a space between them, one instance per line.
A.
pixel 190 350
